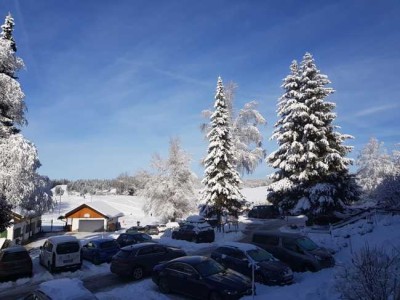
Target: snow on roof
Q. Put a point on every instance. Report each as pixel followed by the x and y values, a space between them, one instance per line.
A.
pixel 66 289
pixel 105 209
pixel 62 239
pixel 101 207
pixel 240 246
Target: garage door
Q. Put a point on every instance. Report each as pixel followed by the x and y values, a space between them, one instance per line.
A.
pixel 91 225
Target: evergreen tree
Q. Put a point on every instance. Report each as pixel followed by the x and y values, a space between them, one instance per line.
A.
pixel 12 106
pixel 19 182
pixel 221 178
pixel 246 136
pixel 313 170
pixel 170 192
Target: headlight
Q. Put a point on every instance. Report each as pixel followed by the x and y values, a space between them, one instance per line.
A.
pixel 230 292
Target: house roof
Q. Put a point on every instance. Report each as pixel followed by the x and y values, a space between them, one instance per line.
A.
pixel 101 207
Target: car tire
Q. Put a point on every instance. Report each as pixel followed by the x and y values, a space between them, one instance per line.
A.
pixel 164 286
pixel 137 273
pixel 215 296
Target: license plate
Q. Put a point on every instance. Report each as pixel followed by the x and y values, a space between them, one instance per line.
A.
pixel 67 261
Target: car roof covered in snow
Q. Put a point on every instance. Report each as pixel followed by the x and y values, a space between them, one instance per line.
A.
pixel 138 246
pixel 280 233
pixel 240 246
pixel 62 239
pixel 66 289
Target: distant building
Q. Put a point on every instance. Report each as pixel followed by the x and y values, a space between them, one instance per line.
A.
pixel 93 217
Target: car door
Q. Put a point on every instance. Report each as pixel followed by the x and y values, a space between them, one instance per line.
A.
pixel 47 253
pixel 241 262
pixel 149 256
pixel 291 253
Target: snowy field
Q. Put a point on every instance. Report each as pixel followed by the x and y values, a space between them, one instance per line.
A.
pixel 381 230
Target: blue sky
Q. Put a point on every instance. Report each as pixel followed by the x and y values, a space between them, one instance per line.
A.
pixel 107 83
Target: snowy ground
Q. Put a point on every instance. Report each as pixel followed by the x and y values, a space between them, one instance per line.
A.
pixel 380 230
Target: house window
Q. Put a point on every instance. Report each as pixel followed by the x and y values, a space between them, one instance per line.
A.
pixel 27 228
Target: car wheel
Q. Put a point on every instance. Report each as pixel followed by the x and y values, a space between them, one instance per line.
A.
pixel 137 273
pixel 215 296
pixel 164 286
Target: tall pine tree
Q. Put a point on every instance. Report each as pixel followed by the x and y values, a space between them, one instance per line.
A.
pixel 312 174
pixel 221 178
pixel 20 184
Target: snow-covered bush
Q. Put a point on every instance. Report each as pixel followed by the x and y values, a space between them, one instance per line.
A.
pixel 387 193
pixel 374 274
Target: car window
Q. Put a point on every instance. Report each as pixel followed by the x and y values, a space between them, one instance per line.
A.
pixel 238 255
pixel 260 255
pixel 188 270
pixel 108 245
pixel 176 267
pixel 146 250
pixel 130 238
pixel 91 245
pixel 123 253
pixel 266 240
pixel 14 256
pixel 159 249
pixel 290 244
pixel 48 246
pixel 209 267
pixel 306 244
pixel 67 247
pixel 145 237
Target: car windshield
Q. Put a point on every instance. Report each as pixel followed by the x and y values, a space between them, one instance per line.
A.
pixel 260 255
pixel 209 267
pixel 306 244
pixel 67 247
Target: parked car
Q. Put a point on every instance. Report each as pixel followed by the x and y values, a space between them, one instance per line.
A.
pixel 15 263
pixel 138 260
pixel 264 212
pixel 135 229
pixel 200 277
pixel 151 229
pixel 100 250
pixel 61 289
pixel 297 250
pixel 195 229
pixel 243 257
pixel 61 252
pixel 126 239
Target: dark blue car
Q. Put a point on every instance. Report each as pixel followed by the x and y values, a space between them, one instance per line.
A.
pixel 202 278
pixel 100 250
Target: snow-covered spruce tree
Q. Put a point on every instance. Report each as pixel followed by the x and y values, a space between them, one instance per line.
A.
pixel 312 175
pixel 246 136
pixel 169 192
pixel 221 179
pixel 19 182
pixel 373 165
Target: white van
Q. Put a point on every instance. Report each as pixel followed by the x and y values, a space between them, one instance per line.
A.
pixel 61 252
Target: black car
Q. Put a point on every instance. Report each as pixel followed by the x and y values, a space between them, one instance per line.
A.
pixel 296 250
pixel 15 263
pixel 264 212
pixel 130 238
pixel 200 277
pixel 243 257
pixel 195 232
pixel 137 260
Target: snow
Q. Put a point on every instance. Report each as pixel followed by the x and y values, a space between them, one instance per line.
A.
pixel 75 291
pixel 380 230
pixel 62 239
